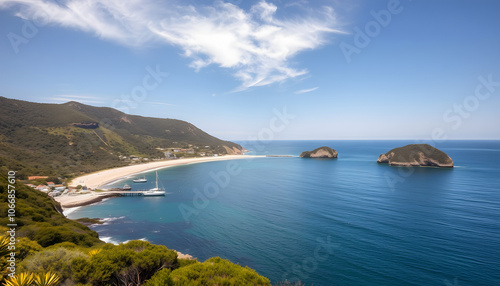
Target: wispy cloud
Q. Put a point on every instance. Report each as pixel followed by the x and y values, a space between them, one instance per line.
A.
pixel 159 103
pixel 79 98
pixel 124 22
pixel 306 90
pixel 255 44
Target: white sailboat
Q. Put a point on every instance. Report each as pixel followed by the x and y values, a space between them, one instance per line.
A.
pixel 155 191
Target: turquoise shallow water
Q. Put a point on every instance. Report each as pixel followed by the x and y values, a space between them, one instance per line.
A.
pixel 348 221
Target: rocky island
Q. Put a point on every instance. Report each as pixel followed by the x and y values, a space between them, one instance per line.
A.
pixel 416 155
pixel 321 152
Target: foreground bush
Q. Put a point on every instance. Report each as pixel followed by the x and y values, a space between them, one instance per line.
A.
pixel 125 264
pixel 214 271
pixel 53 260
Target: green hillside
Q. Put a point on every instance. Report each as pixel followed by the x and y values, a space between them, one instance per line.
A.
pixel 39 219
pixel 73 138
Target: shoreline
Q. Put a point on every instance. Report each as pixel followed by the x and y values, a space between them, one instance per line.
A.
pixel 101 178
pixel 67 201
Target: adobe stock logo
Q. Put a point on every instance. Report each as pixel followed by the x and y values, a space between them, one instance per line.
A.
pixel 29 30
pixel 363 37
pixel 486 87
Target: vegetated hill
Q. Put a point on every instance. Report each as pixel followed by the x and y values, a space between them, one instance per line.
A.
pixel 71 138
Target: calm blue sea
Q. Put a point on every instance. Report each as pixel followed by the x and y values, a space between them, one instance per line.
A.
pixel 348 221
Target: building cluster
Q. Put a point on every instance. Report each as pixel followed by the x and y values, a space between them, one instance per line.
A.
pixel 172 153
pixel 54 190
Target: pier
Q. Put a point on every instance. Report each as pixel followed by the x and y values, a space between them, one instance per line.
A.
pixel 279 156
pixel 131 193
pixel 123 193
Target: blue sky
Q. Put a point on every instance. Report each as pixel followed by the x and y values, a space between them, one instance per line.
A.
pixel 358 69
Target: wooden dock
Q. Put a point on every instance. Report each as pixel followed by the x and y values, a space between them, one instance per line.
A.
pixel 124 193
pixel 131 193
pixel 279 156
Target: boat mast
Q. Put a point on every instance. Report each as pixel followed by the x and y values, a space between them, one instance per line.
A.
pixel 157 180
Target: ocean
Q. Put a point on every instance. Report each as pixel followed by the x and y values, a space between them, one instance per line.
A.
pixel 345 221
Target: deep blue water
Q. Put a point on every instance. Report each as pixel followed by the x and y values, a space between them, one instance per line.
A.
pixel 347 221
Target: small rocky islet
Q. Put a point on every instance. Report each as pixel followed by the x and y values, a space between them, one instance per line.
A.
pixel 321 152
pixel 416 155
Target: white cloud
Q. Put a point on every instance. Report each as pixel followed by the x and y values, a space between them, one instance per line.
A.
pixel 306 90
pixel 157 103
pixel 255 44
pixel 79 98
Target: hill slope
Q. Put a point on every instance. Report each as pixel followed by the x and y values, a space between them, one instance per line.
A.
pixel 71 138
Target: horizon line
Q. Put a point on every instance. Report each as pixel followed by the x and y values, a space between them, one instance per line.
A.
pixel 368 139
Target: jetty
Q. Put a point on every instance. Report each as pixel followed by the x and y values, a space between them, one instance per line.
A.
pixel 124 193
pixel 279 156
pixel 131 193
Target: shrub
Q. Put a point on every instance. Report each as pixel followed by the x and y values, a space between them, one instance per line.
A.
pixel 25 247
pixel 186 262
pixel 58 260
pixel 125 264
pixel 161 278
pixel 214 271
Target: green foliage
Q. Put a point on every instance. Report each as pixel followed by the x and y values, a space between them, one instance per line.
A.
pixel 79 268
pixel 51 235
pixel 125 264
pixel 25 247
pixel 161 278
pixel 186 262
pixel 67 245
pixel 214 271
pixel 56 260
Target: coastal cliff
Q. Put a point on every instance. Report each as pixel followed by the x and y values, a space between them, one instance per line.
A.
pixel 321 152
pixel 416 155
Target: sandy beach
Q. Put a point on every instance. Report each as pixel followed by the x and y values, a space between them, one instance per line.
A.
pixel 98 179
